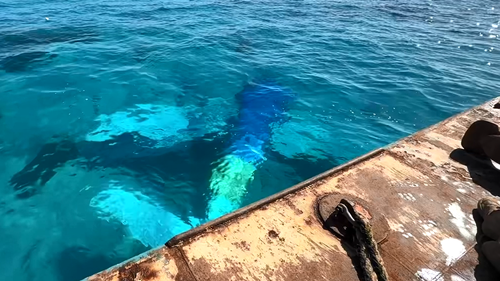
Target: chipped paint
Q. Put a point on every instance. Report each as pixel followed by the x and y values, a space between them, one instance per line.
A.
pixel 429 227
pixel 453 248
pixel 407 197
pixel 463 222
pixel 418 197
pixel 407 235
pixel 457 278
pixel 429 275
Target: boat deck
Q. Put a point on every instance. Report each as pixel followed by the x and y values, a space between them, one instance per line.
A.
pixel 424 197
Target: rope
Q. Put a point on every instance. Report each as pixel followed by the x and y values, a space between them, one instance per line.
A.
pixel 370 259
pixel 368 246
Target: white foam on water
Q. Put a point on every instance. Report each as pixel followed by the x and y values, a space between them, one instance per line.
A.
pixel 453 248
pixel 429 275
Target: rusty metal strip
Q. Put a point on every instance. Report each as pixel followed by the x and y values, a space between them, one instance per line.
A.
pixel 179 239
pixel 185 272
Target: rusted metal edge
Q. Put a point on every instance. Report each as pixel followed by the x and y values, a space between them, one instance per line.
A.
pixel 185 236
pixel 431 127
pixel 126 262
pixel 185 273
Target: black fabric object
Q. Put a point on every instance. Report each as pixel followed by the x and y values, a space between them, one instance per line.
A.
pixel 491 147
pixel 473 137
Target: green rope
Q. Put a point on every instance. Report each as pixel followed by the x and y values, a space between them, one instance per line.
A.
pixel 370 259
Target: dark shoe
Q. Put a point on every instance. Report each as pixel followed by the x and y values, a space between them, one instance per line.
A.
pixel 486 206
pixel 489 209
pixel 491 251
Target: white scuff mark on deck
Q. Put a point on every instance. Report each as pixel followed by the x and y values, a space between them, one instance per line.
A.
pixel 461 190
pixel 429 275
pixel 457 278
pixel 430 232
pixel 429 227
pixel 461 221
pixel 407 196
pixel 397 227
pixel 453 248
pixel 407 235
pixel 428 224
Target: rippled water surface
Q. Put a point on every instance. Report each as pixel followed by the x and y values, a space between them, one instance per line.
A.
pixel 126 122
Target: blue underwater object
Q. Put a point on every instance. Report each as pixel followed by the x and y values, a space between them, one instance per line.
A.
pixel 261 107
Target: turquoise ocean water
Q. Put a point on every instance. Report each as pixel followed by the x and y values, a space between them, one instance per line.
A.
pixel 116 116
